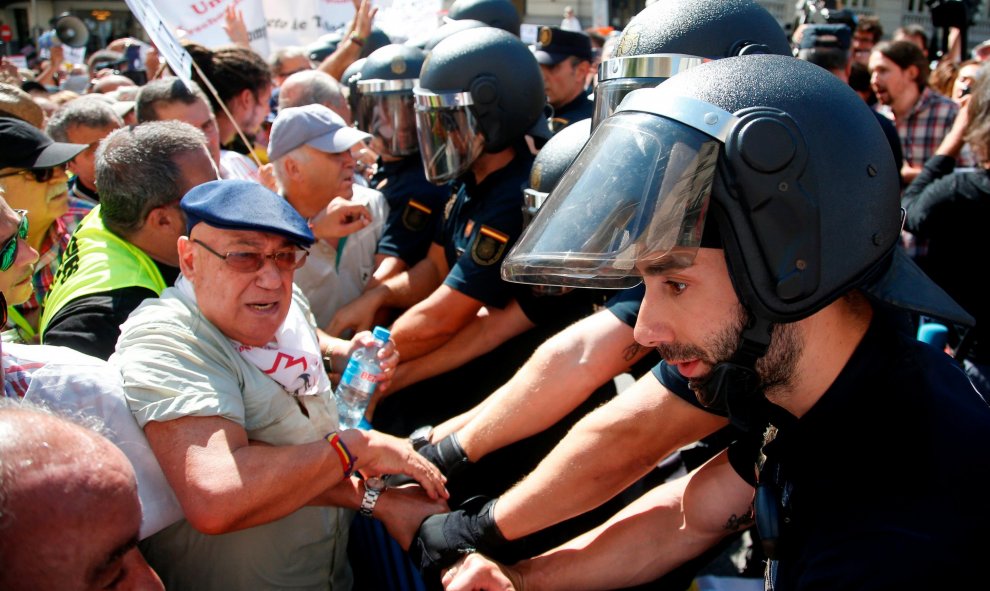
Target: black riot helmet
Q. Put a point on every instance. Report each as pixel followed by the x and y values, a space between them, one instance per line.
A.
pixel 671 36
pixel 385 103
pixel 551 163
pixel 376 39
pixel 787 165
pixel 479 91
pixel 500 14
pixel 449 28
pixel 319 50
pixel 350 79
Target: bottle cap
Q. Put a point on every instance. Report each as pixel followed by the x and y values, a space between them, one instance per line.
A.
pixel 381 333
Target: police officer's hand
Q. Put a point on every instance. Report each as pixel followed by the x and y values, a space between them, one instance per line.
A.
pixel 356 315
pixel 443 539
pixel 446 454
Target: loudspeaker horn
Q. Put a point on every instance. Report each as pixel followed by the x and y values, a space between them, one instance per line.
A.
pixel 71 31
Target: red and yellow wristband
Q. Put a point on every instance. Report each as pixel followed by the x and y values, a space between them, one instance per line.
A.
pixel 346 459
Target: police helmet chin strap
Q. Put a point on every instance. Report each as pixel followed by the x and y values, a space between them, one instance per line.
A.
pixel 734 384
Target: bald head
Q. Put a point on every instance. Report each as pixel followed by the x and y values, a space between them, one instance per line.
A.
pixel 110 83
pixel 69 511
pixel 313 87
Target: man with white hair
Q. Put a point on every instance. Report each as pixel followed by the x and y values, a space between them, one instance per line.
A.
pixel 310 149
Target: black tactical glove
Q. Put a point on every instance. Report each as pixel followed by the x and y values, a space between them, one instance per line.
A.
pixel 444 538
pixel 446 454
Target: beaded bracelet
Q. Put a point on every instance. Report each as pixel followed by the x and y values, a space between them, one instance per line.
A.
pixel 356 39
pixel 346 459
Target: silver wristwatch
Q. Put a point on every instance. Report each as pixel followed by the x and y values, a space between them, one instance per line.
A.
pixel 373 488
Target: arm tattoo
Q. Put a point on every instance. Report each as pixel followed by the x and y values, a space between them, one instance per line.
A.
pixel 738 522
pixel 630 352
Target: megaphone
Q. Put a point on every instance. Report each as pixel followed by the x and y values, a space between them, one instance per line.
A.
pixel 72 31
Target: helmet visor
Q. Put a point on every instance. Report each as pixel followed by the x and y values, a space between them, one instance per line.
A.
pixel 619 76
pixel 637 193
pixel 391 117
pixel 609 93
pixel 449 136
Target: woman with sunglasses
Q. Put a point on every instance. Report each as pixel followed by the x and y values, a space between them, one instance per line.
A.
pixel 33 178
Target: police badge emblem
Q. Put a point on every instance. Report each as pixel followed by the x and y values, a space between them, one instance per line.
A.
pixel 416 216
pixel 489 245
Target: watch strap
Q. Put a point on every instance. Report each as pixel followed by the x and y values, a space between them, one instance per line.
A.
pixel 370 499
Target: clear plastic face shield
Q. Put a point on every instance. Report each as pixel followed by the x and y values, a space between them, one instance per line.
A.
pixel 637 194
pixel 386 110
pixel 450 138
pixel 619 76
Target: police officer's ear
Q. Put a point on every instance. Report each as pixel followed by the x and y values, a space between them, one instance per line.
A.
pixel 485 95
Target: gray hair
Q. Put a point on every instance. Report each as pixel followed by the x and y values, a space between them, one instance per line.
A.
pixel 276 59
pixel 299 154
pixel 312 87
pixel 84 111
pixel 136 171
pixel 165 90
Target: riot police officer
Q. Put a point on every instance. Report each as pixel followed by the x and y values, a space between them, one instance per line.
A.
pixel 479 92
pixel 784 317
pixel 385 109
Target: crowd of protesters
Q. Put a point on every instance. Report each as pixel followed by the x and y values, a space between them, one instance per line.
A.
pixel 723 210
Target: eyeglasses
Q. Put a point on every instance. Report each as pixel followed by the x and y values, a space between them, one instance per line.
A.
pixel 249 262
pixel 8 252
pixel 41 175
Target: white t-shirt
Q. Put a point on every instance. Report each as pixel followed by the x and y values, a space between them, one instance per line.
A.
pixel 331 279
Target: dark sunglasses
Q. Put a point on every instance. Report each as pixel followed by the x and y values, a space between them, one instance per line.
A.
pixel 3 305
pixel 42 175
pixel 8 252
pixel 249 262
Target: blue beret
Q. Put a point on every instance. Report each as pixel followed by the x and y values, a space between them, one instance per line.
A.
pixel 244 205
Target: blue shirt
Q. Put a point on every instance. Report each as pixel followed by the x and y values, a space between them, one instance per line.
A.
pixel 415 208
pixel 481 223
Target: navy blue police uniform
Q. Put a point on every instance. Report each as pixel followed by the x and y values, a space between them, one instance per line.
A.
pixel 415 208
pixel 580 108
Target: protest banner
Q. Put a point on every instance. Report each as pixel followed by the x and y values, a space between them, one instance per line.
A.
pixel 160 33
pixel 274 24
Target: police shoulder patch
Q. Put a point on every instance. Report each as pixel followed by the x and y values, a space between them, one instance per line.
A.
pixel 416 216
pixel 489 246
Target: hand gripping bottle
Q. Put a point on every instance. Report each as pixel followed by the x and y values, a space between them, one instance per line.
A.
pixel 359 380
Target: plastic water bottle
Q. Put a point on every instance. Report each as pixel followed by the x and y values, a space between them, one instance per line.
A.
pixel 358 383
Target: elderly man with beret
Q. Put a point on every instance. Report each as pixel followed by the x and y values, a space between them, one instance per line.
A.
pixel 225 372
